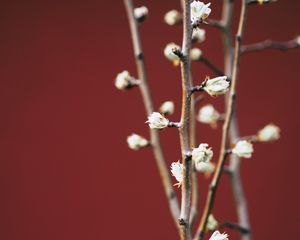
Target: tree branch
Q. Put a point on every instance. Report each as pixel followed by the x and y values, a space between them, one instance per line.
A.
pixel 184 131
pixel 269 44
pixel 225 140
pixel 147 99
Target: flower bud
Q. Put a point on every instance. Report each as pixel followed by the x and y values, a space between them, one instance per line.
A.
pixel 205 167
pixel 170 55
pixel 195 54
pixel 217 86
pixel 298 40
pixel 208 115
pixel 243 149
pixel 173 17
pixel 198 35
pixel 167 108
pixel 157 121
pixel 199 11
pixel 136 142
pixel 141 13
pixel 202 153
pixel 212 223
pixel 269 133
pixel 219 236
pixel 124 81
pixel 177 171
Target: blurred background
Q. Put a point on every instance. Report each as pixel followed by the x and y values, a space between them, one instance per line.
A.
pixel 65 169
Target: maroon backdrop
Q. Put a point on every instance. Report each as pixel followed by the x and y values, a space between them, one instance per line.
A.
pixel 65 169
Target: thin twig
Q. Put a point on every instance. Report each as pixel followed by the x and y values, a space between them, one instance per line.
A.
pixel 235 226
pixel 184 131
pixel 270 44
pixel 233 170
pixel 210 65
pixel 147 99
pixel 224 143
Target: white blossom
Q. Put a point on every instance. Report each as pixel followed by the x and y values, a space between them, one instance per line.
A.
pixel 123 80
pixel 177 171
pixel 212 223
pixel 135 141
pixel 169 54
pixel 217 86
pixel 141 12
pixel 167 108
pixel 198 35
pixel 269 133
pixel 219 236
pixel 208 114
pixel 202 153
pixel 205 167
pixel 195 54
pixel 243 149
pixel 157 121
pixel 172 17
pixel 199 11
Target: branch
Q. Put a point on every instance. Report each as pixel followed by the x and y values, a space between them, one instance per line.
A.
pixel 184 131
pixel 225 140
pixel 147 99
pixel 235 226
pixel 269 44
pixel 210 65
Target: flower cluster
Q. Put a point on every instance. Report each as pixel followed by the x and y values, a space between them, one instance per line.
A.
pixel 157 121
pixel 219 236
pixel 177 171
pixel 136 142
pixel 217 86
pixel 199 12
pixel 243 149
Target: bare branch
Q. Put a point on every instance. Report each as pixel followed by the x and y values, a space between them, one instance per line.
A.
pixel 229 112
pixel 146 95
pixel 269 44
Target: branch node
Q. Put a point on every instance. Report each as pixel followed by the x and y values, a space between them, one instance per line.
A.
pixel 182 222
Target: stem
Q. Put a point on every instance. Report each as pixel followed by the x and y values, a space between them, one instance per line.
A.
pixel 235 162
pixel 225 140
pixel 269 44
pixel 184 131
pixel 210 65
pixel 147 99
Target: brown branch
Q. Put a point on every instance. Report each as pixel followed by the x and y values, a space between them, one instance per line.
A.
pixel 225 135
pixel 235 226
pixel 210 65
pixel 147 99
pixel 184 131
pixel 269 44
pixel 233 170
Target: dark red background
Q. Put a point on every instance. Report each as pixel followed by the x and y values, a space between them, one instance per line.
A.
pixel 65 169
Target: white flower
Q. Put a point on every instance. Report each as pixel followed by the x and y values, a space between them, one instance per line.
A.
pixel 169 54
pixel 198 35
pixel 141 13
pixel 202 153
pixel 269 133
pixel 167 108
pixel 136 141
pixel 177 171
pixel 172 17
pixel 205 167
pixel 217 86
pixel 157 121
pixel 212 223
pixel 199 11
pixel 208 114
pixel 123 80
pixel 219 236
pixel 243 149
pixel 195 54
